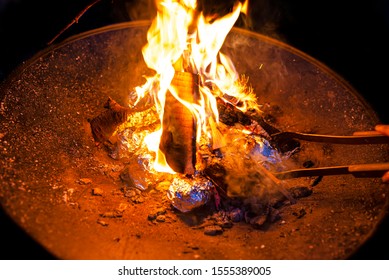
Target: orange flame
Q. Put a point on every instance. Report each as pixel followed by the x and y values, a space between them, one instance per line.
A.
pixel 181 38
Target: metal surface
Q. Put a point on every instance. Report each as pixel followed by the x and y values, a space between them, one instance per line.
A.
pixel 59 187
pixel 357 170
pixel 335 139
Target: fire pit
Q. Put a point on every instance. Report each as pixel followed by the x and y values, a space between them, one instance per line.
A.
pixel 74 198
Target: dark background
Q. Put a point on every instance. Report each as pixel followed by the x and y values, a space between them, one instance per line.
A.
pixel 349 37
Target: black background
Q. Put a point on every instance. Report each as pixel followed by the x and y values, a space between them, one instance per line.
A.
pixel 349 37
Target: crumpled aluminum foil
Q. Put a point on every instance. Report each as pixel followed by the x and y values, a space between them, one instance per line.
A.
pixel 186 194
pixel 137 173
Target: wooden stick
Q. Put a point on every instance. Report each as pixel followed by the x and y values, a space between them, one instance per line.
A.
pixel 75 20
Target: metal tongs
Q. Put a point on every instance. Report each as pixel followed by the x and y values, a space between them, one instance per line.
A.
pixel 357 170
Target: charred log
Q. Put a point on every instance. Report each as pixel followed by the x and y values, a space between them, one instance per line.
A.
pixel 231 115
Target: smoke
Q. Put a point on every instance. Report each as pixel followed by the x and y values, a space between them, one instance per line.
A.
pixel 249 161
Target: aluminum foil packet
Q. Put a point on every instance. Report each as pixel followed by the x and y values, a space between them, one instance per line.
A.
pixel 187 194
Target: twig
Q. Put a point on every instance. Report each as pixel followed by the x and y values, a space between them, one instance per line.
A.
pixel 75 20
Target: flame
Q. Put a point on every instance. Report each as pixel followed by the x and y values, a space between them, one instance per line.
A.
pixel 182 39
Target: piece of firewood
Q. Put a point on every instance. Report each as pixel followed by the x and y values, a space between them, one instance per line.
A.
pixel 178 140
pixel 230 115
pixel 105 124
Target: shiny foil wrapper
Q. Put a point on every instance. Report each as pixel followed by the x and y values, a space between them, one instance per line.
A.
pixel 186 194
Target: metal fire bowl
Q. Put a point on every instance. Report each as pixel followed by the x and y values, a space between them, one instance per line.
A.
pixel 47 151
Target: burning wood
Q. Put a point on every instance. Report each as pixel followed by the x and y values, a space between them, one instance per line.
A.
pixel 179 136
pixel 105 124
pixel 231 115
pixel 178 140
pixel 194 81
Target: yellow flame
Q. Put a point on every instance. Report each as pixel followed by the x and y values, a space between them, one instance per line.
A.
pixel 181 39
pixel 152 143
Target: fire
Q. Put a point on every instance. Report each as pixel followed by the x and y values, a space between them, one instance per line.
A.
pixel 184 51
